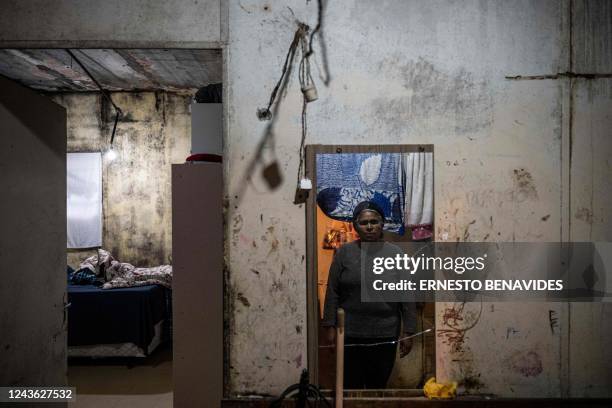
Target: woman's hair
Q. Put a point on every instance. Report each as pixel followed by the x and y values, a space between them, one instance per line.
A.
pixel 367 205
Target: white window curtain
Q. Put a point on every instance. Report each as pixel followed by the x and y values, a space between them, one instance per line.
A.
pixel 84 201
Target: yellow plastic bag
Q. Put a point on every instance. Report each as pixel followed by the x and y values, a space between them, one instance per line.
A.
pixel 432 389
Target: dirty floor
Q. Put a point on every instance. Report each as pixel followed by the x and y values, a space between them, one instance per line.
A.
pixel 116 383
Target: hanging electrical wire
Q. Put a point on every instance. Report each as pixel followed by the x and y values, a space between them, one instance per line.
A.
pixel 307 394
pixel 300 33
pixel 309 94
pixel 319 30
pixel 105 94
pixel 303 40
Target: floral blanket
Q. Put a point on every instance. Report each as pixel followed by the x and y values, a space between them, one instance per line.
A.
pixel 124 275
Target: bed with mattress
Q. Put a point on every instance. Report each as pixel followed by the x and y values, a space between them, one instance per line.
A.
pixel 121 322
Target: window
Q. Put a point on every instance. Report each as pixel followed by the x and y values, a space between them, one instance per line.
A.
pixel 84 201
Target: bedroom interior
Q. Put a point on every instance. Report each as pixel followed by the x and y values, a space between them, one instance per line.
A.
pixel 119 202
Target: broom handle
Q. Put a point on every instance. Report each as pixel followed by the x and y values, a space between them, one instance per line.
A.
pixel 340 358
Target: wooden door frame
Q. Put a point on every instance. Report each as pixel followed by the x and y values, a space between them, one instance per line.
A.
pixel 312 305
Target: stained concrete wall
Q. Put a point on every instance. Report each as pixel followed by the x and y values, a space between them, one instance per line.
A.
pixel 512 162
pixel 420 72
pixel 136 189
pixel 113 23
pixel 32 239
pixel 589 361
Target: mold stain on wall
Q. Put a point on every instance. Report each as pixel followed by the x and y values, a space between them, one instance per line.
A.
pixel 430 92
pixel 154 133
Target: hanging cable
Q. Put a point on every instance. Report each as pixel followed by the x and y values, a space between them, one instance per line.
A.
pixel 319 30
pixel 105 94
pixel 305 81
pixel 304 42
pixel 305 393
pixel 302 30
pixel 379 343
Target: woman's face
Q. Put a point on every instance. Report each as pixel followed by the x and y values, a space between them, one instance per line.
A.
pixel 369 226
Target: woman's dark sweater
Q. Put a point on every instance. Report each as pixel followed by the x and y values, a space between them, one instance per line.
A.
pixel 363 319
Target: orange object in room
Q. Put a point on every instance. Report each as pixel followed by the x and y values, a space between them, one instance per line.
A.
pixel 331 235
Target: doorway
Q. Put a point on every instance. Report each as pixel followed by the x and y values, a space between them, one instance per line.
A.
pixel 342 176
pixel 125 354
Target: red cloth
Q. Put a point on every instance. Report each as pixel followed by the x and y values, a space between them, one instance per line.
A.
pixel 205 157
pixel 421 232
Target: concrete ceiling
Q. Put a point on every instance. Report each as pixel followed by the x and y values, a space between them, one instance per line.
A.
pixel 115 69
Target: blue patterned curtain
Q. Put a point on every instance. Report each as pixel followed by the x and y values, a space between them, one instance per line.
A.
pixel 346 179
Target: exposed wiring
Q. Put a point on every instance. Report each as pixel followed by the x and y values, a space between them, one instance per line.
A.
pixel 305 78
pixel 306 81
pixel 304 42
pixel 114 128
pixel 302 141
pixel 300 40
pixel 379 343
pixel 105 93
pixel 305 393
pixel 300 33
pixel 317 28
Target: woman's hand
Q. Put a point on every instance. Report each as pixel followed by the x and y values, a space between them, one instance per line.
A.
pixel 405 345
pixel 330 335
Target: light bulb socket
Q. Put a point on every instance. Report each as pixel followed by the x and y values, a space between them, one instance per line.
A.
pixel 310 93
pixel 111 154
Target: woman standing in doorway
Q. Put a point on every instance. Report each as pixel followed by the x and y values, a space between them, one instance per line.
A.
pixel 367 323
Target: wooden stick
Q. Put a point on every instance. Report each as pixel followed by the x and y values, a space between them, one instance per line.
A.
pixel 340 358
